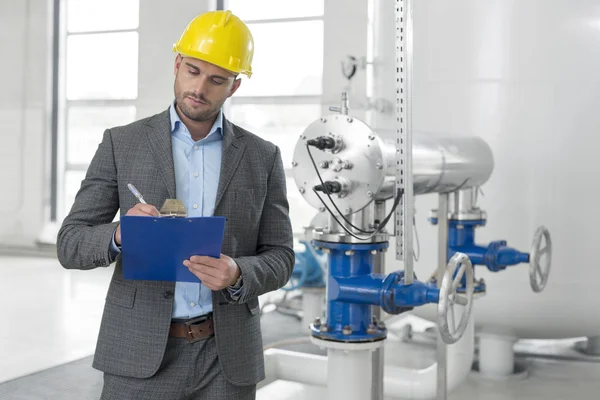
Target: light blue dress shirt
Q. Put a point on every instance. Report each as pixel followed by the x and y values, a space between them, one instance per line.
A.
pixel 197 171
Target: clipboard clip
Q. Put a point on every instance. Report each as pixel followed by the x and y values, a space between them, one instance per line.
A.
pixel 173 208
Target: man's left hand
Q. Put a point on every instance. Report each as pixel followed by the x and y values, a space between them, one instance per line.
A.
pixel 215 273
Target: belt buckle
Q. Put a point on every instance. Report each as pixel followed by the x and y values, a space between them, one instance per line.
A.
pixel 188 329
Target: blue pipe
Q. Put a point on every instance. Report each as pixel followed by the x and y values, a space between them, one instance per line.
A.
pixel 353 289
pixel 496 256
pixel 378 291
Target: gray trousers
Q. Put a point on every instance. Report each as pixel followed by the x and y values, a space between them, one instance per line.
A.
pixel 189 371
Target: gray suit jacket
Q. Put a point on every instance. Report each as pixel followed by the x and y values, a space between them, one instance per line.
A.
pixel 258 236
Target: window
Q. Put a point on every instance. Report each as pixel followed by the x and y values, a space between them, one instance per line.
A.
pixel 255 10
pixel 99 84
pixel 280 124
pixel 288 59
pixel 284 94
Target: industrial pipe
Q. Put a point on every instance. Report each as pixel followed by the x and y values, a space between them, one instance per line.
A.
pixel 399 382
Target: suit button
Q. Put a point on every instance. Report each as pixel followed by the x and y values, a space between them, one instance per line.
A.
pixel 168 294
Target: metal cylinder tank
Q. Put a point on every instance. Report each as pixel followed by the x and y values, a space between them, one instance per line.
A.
pixel 366 164
pixel 522 75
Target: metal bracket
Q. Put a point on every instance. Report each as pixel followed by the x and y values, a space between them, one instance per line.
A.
pixel 404 178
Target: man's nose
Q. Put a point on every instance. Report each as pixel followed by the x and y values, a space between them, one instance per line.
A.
pixel 202 85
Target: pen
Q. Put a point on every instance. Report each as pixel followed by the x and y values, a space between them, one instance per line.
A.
pixel 135 192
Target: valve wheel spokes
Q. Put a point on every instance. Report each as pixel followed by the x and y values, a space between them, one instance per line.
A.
pixel 450 297
pixel 540 259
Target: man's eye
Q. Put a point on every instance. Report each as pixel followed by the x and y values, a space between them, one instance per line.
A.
pixel 217 81
pixel 192 72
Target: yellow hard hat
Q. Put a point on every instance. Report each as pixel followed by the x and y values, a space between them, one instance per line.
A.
pixel 220 38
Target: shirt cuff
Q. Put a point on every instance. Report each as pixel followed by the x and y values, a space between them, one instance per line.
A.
pixel 235 291
pixel 114 249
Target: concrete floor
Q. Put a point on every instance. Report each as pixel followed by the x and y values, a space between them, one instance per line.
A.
pixel 545 380
pixel 50 316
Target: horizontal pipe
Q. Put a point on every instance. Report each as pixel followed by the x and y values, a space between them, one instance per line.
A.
pixel 444 164
pixel 358 290
pixel 294 366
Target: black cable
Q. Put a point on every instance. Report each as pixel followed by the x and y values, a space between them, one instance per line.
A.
pixel 399 195
pixel 326 190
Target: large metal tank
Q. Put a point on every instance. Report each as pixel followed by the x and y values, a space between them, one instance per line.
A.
pixel 524 76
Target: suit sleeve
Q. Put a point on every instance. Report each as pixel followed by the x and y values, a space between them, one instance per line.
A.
pixel 272 266
pixel 85 237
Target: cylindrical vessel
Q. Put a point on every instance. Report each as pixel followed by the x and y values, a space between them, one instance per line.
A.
pixel 365 166
pixel 523 76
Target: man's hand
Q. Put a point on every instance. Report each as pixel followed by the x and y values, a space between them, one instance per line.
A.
pixel 215 273
pixel 141 210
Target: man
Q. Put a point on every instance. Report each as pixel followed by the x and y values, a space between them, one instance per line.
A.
pixel 166 340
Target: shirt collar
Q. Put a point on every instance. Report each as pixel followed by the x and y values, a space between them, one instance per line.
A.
pixel 175 121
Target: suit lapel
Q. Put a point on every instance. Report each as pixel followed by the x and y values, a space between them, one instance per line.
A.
pixel 233 148
pixel 159 138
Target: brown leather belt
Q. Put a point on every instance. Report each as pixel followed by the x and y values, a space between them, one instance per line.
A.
pixel 194 329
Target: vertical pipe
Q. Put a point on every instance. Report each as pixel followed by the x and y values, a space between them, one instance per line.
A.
pixel 346 378
pixel 378 356
pixel 441 353
pixel 345 263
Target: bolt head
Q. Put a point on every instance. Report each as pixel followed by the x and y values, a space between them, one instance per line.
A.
pixel 369 194
pixel 323 119
pixel 381 324
pixel 317 322
pixel 348 210
pixel 347 330
pixel 371 137
pixel 294 163
pixel 349 119
pixel 374 252
pixel 301 190
pixel 371 330
pixel 324 328
pixel 379 166
pixel 321 209
pixel 349 252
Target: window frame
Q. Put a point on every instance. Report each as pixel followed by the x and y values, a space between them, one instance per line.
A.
pixel 61 107
pixel 316 99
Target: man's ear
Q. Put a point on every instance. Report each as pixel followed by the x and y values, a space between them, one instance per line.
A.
pixel 236 84
pixel 178 61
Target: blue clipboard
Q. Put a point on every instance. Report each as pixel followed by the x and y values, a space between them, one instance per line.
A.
pixel 154 248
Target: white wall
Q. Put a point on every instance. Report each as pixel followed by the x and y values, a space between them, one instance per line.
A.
pixel 161 24
pixel 345 32
pixel 24 102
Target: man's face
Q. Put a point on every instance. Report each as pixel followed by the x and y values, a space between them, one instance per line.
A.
pixel 201 88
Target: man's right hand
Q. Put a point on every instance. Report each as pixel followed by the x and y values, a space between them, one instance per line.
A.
pixel 144 210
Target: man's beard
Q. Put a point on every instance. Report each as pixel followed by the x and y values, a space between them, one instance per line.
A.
pixel 195 114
